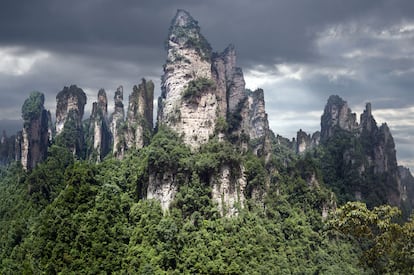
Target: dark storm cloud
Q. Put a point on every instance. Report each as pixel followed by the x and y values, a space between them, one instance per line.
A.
pixel 263 31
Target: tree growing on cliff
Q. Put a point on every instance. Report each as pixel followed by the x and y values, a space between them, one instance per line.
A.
pixel 33 106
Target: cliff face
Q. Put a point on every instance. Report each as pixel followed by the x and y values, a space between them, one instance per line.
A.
pixel 71 100
pixel 337 115
pixel 35 136
pixel 368 152
pixel 305 142
pixel 199 88
pixel 407 190
pixel 116 122
pixel 99 136
pixel 8 149
pixel 140 115
pixel 69 113
pixel 204 96
pixel 188 103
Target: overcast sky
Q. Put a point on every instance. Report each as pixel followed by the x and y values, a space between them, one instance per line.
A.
pixel 298 51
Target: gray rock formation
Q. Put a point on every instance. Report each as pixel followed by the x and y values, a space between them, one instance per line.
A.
pixel 36 131
pixel 8 149
pixel 188 103
pixel 203 95
pixel 139 123
pixel 116 123
pixel 162 187
pixel 337 115
pixel 407 190
pixel 69 113
pixel 368 151
pixel 305 142
pixel 228 191
pixel 70 100
pixel 99 136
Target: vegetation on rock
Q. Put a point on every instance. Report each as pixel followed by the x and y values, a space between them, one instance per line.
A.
pixel 33 106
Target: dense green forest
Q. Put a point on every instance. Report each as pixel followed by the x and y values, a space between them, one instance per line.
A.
pixel 72 216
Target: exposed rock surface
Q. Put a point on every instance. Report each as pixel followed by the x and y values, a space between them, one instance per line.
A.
pixel 116 122
pixel 203 95
pixel 199 88
pixel 69 113
pixel 407 187
pixel 305 142
pixel 228 191
pixel 162 187
pixel 188 104
pixel 36 131
pixel 99 135
pixel 8 149
pixel 70 100
pixel 370 151
pixel 139 121
pixel 337 115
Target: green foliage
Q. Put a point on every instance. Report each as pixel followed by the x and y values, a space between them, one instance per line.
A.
pixel 387 246
pixel 196 87
pixel 72 136
pixel 68 216
pixel 33 106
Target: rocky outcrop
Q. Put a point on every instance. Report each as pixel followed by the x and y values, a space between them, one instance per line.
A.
pixel 69 113
pixel 407 190
pixel 116 123
pixel 368 158
pixel 36 131
pixel 201 89
pixel 71 100
pixel 99 135
pixel 188 103
pixel 228 191
pixel 8 149
pixel 203 96
pixel 139 123
pixel 305 142
pixel 162 187
pixel 337 115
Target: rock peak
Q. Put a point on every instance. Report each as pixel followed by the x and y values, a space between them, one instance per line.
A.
pixel 184 19
pixel 368 108
pixel 185 33
pixel 336 116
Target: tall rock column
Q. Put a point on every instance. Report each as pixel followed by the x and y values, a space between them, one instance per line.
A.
pixel 140 115
pixel 188 103
pixel 99 135
pixel 337 115
pixel 117 121
pixel 35 133
pixel 69 113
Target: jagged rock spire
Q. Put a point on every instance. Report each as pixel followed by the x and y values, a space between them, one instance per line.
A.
pixel 337 114
pixel 185 32
pixel 70 99
pixel 116 121
pixel 35 134
pixel 99 136
pixel 69 114
pixel 140 115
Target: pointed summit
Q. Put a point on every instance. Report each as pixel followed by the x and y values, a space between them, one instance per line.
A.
pixel 184 19
pixel 337 115
pixel 185 33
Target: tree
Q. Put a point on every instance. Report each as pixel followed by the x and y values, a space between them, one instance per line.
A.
pixel 33 106
pixel 386 245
